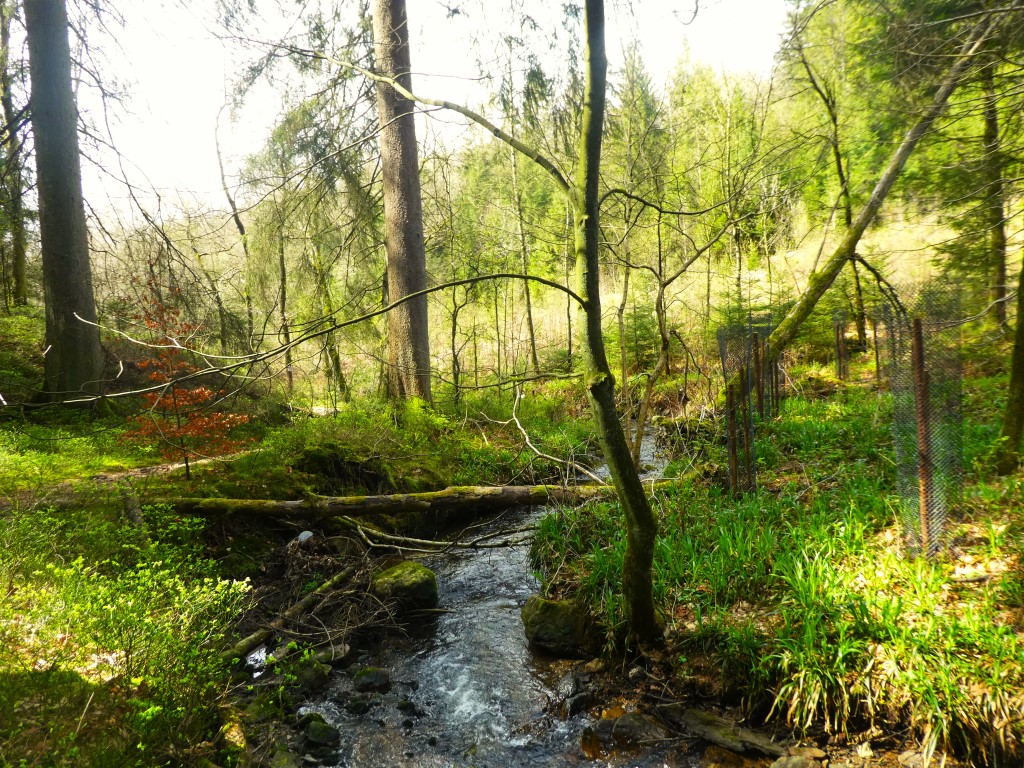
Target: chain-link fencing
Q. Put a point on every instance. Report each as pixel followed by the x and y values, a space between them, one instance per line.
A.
pixel 766 374
pixel 925 376
pixel 736 349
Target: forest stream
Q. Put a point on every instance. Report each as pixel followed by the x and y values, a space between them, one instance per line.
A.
pixel 465 687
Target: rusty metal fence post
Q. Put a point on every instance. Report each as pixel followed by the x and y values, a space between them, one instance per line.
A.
pixel 924 370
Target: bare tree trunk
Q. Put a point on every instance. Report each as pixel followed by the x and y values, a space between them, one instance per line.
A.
pixel 13 179
pixel 282 302
pixel 336 381
pixel 408 339
pixel 640 524
pixel 995 198
pixel 222 314
pixel 237 219
pixel 827 95
pixel 525 252
pixel 621 319
pixel 456 370
pixel 568 299
pixel 1008 456
pixel 497 337
pixel 74 359
pixel 660 369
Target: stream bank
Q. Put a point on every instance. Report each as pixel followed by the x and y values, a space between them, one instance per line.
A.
pixel 462 686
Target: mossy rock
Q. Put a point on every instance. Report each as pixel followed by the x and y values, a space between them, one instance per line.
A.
pixel 556 627
pixel 313 676
pixel 373 679
pixel 410 586
pixel 322 734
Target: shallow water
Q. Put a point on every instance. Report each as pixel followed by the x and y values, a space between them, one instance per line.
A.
pixel 475 694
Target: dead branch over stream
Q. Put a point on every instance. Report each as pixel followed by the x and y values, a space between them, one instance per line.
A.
pixel 486 499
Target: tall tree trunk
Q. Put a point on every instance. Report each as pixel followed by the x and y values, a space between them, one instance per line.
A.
pixel 568 299
pixel 620 315
pixel 820 281
pixel 517 193
pixel 13 179
pixel 282 301
pixel 218 301
pixel 336 382
pixel 660 369
pixel 408 339
pixel 995 198
pixel 640 524
pixel 74 359
pixel 584 204
pixel 456 369
pixel 1008 456
pixel 859 314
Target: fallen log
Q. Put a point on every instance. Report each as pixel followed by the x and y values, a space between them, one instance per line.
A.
pixel 454 499
pixel 718 730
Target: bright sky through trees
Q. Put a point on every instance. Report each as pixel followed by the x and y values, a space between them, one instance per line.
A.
pixel 178 73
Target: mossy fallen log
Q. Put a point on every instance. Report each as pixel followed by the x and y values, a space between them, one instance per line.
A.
pixel 454 499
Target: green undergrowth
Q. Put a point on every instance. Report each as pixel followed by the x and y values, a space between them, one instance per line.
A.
pixel 799 600
pixel 21 352
pixel 110 633
pixel 375 447
pixel 60 444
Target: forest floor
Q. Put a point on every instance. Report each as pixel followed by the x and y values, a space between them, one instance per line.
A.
pixel 794 606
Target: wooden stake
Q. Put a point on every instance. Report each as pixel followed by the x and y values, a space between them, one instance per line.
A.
pixel 748 429
pixel 758 375
pixel 924 454
pixel 878 359
pixel 730 417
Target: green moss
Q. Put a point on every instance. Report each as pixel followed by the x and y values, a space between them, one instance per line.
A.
pixel 410 585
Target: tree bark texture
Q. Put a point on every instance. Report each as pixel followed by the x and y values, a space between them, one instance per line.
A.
pixel 74 359
pixel 408 340
pixel 282 302
pixel 641 526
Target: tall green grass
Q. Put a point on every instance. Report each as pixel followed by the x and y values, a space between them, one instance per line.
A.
pixel 802 595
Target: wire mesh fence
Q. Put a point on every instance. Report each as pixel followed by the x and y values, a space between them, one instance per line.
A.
pixel 736 350
pixel 767 373
pixel 924 371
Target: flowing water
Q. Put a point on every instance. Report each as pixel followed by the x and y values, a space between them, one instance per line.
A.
pixel 467 691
